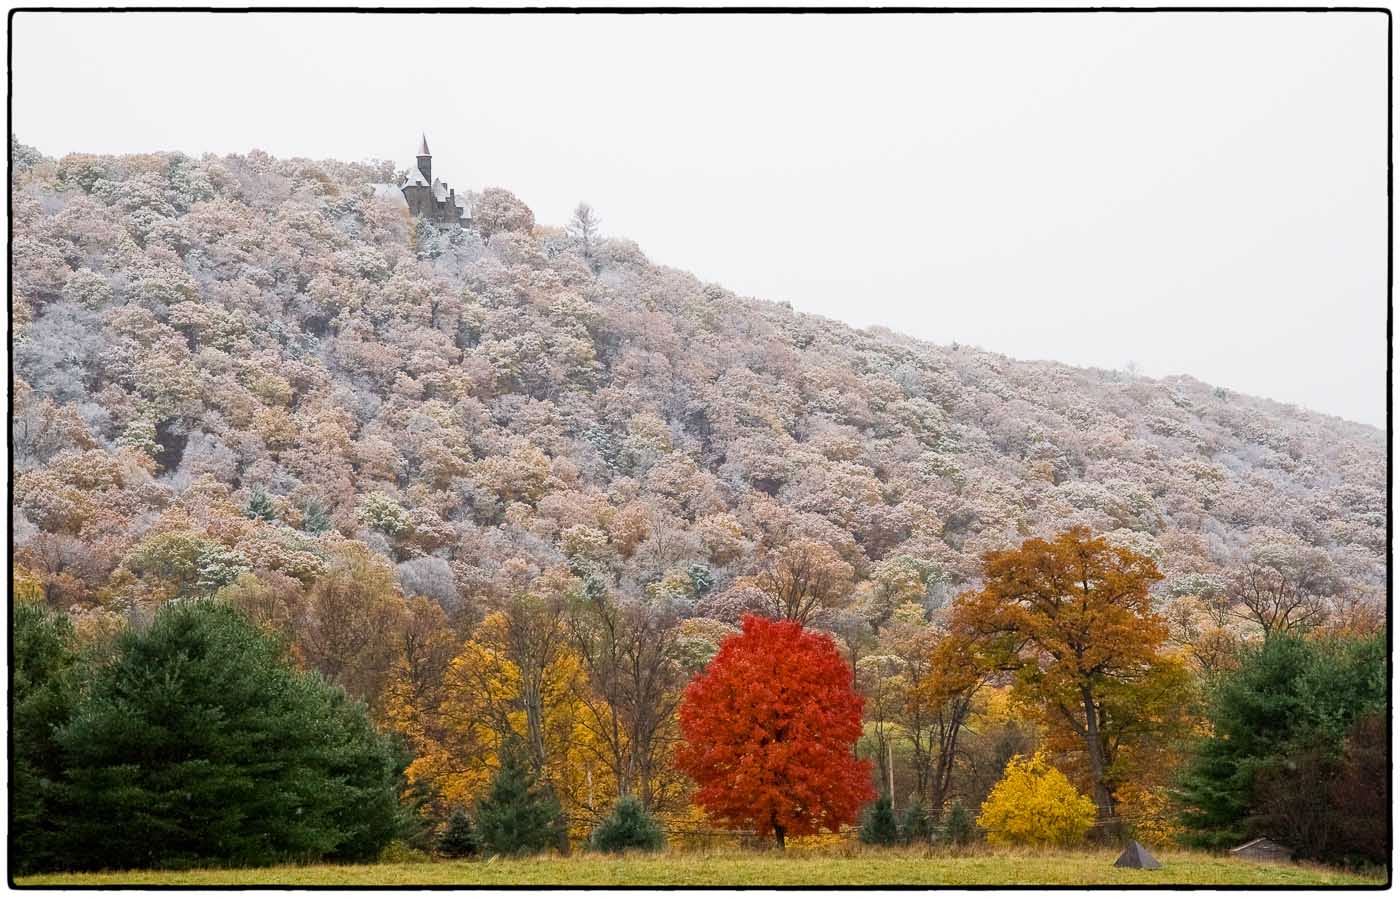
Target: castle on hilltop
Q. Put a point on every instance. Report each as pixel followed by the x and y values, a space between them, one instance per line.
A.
pixel 425 196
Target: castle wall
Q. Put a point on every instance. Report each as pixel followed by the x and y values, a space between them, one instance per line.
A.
pixel 422 204
pixel 420 200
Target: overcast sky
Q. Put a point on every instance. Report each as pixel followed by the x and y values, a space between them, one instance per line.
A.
pixel 1201 193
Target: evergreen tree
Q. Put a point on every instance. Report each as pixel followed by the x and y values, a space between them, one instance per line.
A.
pixel 879 826
pixel 702 579
pixel 458 839
pixel 958 826
pixel 314 517
pixel 260 506
pixel 1291 699
pixel 416 825
pixel 914 825
pixel 517 816
pixel 198 743
pixel 42 687
pixel 628 826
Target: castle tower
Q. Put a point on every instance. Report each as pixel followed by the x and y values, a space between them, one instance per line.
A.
pixel 425 196
pixel 425 160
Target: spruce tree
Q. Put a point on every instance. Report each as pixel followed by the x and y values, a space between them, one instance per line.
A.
pixel 458 839
pixel 879 827
pixel 958 826
pixel 628 826
pixel 915 826
pixel 517 816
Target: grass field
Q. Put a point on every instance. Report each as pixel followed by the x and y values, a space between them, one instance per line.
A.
pixel 856 868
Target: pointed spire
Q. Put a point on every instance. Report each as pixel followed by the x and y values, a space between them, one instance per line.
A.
pixel 423 146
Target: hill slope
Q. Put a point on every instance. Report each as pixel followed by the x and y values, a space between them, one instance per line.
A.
pixel 250 353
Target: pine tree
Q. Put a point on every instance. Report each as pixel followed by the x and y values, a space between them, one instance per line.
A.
pixel 416 824
pixel 199 743
pixel 1290 698
pixel 458 839
pixel 915 826
pixel 701 578
pixel 879 827
pixel 260 506
pixel 517 816
pixel 43 690
pixel 628 826
pixel 584 227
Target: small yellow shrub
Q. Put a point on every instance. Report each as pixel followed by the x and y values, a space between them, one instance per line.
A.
pixel 823 841
pixel 1034 804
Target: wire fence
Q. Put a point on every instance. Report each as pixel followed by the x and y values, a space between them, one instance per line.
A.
pixel 848 832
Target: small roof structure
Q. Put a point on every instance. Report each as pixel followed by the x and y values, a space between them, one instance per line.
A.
pixel 1136 857
pixel 439 191
pixel 1263 849
pixel 423 146
pixel 390 193
pixel 415 179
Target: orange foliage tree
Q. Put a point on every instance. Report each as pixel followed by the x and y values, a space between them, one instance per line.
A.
pixel 769 728
pixel 1072 618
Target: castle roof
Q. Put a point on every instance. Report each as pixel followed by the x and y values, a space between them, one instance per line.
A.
pixel 423 146
pixel 389 192
pixel 415 179
pixel 439 191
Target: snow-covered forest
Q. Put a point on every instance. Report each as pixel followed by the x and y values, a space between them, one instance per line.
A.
pixel 244 376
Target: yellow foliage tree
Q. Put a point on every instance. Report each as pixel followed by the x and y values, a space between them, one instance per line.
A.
pixel 427 644
pixel 1035 804
pixel 483 702
pixel 28 586
pixel 1151 817
pixel 459 738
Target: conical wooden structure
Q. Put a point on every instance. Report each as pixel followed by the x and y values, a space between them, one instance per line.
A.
pixel 1137 857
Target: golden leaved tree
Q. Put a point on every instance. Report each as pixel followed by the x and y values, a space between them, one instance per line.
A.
pixel 1071 619
pixel 512 679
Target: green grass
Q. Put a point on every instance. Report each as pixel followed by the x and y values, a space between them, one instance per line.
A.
pixel 734 868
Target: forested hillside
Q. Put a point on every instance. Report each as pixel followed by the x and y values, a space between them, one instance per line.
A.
pixel 419 453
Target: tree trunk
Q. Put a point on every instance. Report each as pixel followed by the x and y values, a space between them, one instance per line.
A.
pixel 948 733
pixel 938 796
pixel 882 756
pixel 780 835
pixel 534 727
pixel 1109 829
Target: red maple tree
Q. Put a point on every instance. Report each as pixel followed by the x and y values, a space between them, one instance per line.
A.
pixel 769 728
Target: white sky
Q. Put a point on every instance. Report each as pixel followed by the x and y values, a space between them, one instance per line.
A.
pixel 1202 193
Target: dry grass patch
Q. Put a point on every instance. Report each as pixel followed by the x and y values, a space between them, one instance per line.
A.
pixel 854 867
